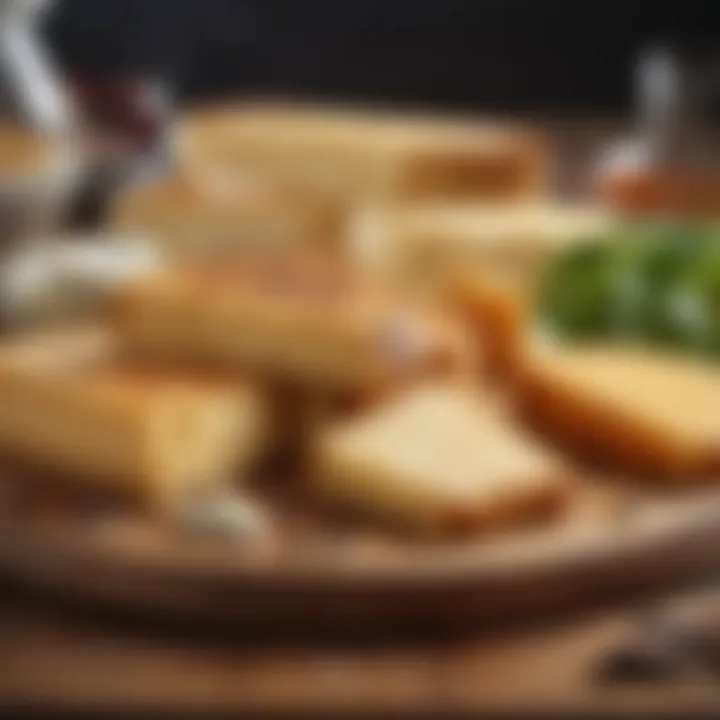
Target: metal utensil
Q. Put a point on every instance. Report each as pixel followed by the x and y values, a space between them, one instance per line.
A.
pixel 30 86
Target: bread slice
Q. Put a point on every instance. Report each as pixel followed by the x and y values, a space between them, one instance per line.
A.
pixel 299 319
pixel 69 407
pixel 496 312
pixel 369 153
pixel 206 213
pixel 440 459
pixel 632 410
pixel 428 245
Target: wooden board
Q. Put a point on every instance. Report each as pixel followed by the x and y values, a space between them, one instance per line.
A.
pixel 313 571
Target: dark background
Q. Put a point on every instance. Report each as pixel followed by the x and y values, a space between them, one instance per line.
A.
pixel 517 54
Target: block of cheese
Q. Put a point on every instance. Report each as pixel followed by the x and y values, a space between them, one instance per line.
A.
pixel 368 152
pixel 296 318
pixel 427 245
pixel 213 214
pixel 71 407
pixel 632 410
pixel 442 459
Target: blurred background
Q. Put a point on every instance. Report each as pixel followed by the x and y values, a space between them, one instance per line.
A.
pixel 509 54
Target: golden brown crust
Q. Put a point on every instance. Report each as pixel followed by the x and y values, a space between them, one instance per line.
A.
pixel 301 319
pixel 160 435
pixel 543 505
pixel 515 170
pixel 496 314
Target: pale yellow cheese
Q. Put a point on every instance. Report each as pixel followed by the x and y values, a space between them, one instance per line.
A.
pixel 440 458
pixel 426 245
pixel 161 436
pixel 637 410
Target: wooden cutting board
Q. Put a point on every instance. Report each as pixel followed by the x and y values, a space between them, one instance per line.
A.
pixel 312 570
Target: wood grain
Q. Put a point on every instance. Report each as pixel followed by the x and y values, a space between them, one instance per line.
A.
pixel 65 661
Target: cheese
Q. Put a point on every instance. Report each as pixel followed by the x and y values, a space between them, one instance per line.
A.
pixel 442 459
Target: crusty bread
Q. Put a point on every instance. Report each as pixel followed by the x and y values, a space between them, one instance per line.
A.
pixel 636 411
pixel 69 406
pixel 299 319
pixel 209 214
pixel 369 153
pixel 427 245
pixel 440 459
pixel 495 310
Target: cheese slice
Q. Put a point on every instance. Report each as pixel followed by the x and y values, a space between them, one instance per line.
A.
pixel 441 459
pixel 636 411
pixel 428 245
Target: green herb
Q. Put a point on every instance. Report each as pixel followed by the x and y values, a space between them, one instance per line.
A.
pixel 656 284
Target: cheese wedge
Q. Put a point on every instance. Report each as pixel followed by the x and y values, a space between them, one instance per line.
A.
pixel 69 407
pixel 429 245
pixel 369 153
pixel 439 459
pixel 635 411
pixel 297 319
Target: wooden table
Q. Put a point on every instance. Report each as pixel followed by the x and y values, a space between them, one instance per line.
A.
pixel 62 659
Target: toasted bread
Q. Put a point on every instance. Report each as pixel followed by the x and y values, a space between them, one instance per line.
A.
pixel 440 459
pixel 635 411
pixel 370 153
pixel 496 312
pixel 298 319
pixel 70 406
